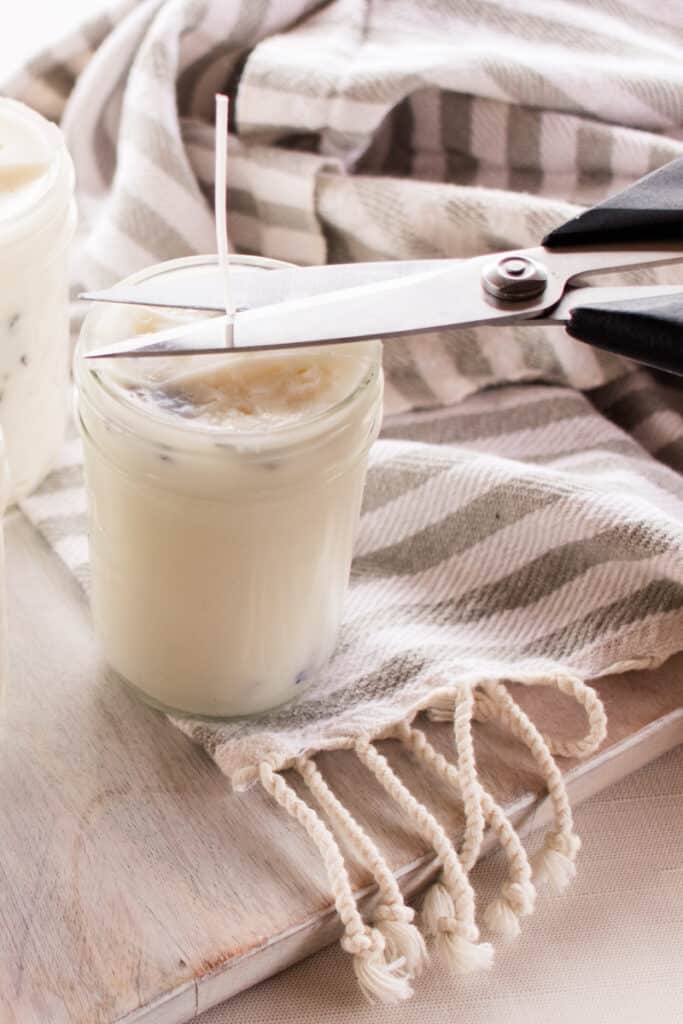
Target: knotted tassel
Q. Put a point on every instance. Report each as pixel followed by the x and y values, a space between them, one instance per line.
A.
pixel 450 901
pixel 456 941
pixel 403 939
pixel 379 980
pixel 555 861
pixel 517 895
pixel 502 914
pixel 392 917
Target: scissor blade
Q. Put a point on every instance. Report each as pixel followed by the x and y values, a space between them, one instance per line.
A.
pixel 204 337
pixel 449 296
pixel 215 334
pixel 253 288
pixel 445 297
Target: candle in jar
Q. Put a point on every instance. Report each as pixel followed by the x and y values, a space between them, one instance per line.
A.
pixel 37 219
pixel 224 496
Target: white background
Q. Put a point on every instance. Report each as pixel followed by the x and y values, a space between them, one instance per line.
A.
pixel 29 25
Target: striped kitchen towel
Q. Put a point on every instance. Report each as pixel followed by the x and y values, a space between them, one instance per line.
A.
pixel 523 518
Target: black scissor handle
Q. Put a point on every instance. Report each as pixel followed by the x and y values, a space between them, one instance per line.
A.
pixel 651 210
pixel 649 330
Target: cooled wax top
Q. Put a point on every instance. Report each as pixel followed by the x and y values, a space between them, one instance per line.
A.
pixel 26 152
pixel 236 392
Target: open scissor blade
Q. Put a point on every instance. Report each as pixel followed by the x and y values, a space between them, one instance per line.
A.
pixel 448 293
pixel 641 226
pixel 209 336
pixel 253 287
pixel 443 293
pixel 431 299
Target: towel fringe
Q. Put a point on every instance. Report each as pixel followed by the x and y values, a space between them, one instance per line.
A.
pixel 587 697
pixel 392 917
pixel 468 781
pixel 517 896
pixel 390 951
pixel 455 941
pixel 555 862
pixel 378 979
pixel 448 908
pixel 441 710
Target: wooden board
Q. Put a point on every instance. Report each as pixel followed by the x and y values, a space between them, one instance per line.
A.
pixel 134 886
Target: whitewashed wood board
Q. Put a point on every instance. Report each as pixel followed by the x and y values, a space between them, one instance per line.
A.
pixel 135 887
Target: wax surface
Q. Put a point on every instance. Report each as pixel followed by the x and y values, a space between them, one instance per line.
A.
pixel 240 392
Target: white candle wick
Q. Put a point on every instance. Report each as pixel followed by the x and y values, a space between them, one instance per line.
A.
pixel 220 209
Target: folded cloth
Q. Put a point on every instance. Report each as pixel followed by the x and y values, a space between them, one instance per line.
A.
pixel 513 527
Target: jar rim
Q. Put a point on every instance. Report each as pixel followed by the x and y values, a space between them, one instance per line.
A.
pixel 196 434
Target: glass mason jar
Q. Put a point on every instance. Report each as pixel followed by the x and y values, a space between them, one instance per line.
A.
pixel 37 222
pixel 220 557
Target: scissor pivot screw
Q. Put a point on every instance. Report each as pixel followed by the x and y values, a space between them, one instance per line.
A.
pixel 514 278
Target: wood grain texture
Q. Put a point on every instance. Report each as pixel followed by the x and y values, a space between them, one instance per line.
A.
pixel 134 886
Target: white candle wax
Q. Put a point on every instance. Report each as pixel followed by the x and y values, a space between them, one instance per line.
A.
pixel 37 218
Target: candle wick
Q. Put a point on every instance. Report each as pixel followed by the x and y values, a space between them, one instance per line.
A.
pixel 220 209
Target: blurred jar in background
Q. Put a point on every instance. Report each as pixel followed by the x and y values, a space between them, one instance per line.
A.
pixel 37 222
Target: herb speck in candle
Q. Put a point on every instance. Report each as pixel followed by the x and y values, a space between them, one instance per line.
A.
pixel 13 321
pixel 172 401
pixel 24 360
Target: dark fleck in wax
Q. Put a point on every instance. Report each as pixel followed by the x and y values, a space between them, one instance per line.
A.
pixel 175 401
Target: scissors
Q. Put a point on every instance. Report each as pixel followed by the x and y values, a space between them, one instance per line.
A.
pixel 283 308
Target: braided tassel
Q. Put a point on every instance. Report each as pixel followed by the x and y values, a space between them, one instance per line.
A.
pixel 555 862
pixel 517 895
pixel 392 917
pixel 379 980
pixel 470 789
pixel 448 908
